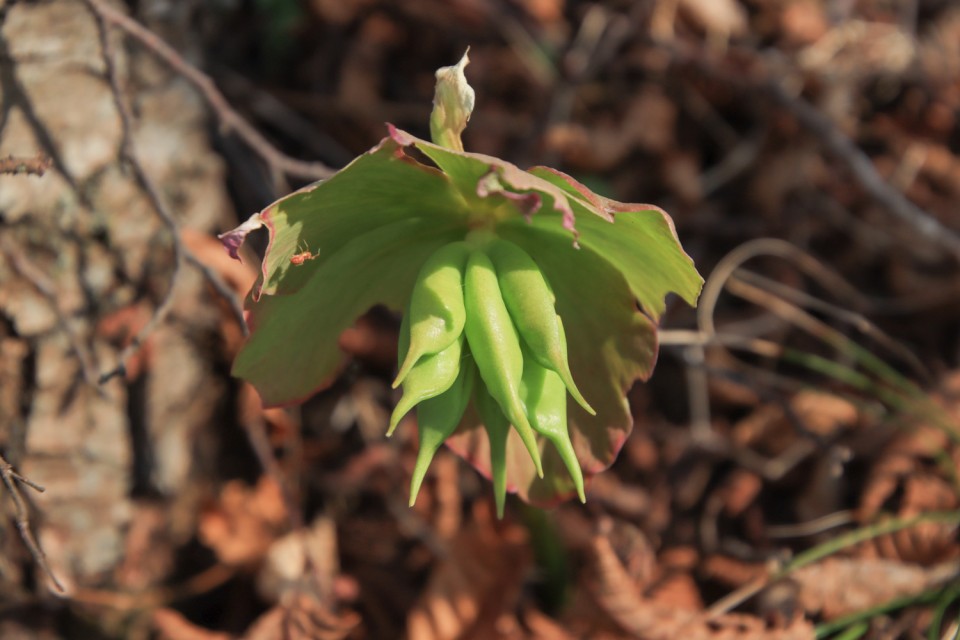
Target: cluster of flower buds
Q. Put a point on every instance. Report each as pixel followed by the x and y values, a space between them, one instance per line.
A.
pixel 482 325
pixel 519 289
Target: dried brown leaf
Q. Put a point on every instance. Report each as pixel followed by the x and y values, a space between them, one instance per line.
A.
pixel 677 591
pixel 122 326
pixel 148 549
pixel 245 521
pixel 306 560
pixel 803 22
pixel 476 585
pixel 618 597
pixel 838 586
pixel 719 18
pixel 824 413
pixel 542 627
pixel 302 618
pixel 740 490
pixel 733 572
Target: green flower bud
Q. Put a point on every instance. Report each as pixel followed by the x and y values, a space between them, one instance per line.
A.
pixel 530 302
pixel 437 419
pixel 436 313
pixel 495 346
pixel 546 398
pixel 431 376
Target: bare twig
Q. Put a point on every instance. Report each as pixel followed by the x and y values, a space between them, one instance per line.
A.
pixel 843 148
pixel 256 430
pixel 811 527
pixel 35 166
pixel 830 136
pixel 784 303
pixel 229 119
pixel 195 585
pixel 12 480
pixel 856 320
pixel 727 273
pixel 180 252
pixel 48 290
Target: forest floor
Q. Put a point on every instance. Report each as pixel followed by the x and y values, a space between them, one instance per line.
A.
pixel 793 468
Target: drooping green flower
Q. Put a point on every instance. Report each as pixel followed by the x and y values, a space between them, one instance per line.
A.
pixel 531 303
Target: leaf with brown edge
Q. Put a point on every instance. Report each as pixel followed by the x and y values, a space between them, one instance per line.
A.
pixel 292 351
pixel 638 239
pixel 481 179
pixel 380 187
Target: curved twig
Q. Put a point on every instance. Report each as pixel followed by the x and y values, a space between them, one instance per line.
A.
pixel 180 252
pixel 12 480
pixel 229 119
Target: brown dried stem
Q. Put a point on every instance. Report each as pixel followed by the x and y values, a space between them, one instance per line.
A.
pixel 35 276
pixel 13 480
pixel 766 82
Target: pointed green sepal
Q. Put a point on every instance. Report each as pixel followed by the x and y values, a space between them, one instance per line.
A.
pixel 530 301
pixel 495 346
pixel 498 428
pixel 437 419
pixel 431 376
pixel 545 395
pixel 436 312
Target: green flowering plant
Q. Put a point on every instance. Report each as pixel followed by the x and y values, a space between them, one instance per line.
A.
pixel 529 303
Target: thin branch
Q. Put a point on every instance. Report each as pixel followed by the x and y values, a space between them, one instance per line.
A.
pixel 12 480
pixel 843 148
pixel 830 136
pixel 156 597
pixel 256 429
pixel 35 276
pixel 180 252
pixel 229 119
pixel 35 166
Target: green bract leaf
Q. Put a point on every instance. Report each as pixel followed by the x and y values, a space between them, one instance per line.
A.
pixel 494 188
pixel 639 240
pixel 382 186
pixel 293 349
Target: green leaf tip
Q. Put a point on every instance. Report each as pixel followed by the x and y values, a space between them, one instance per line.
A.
pixel 453 101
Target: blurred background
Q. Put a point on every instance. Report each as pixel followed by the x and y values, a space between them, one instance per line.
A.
pixel 808 153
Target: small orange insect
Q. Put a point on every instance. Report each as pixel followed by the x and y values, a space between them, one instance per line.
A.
pixel 303 256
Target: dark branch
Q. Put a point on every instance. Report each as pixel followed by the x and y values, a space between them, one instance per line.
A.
pixel 33 274
pixel 229 119
pixel 12 480
pixel 180 252
pixel 840 146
